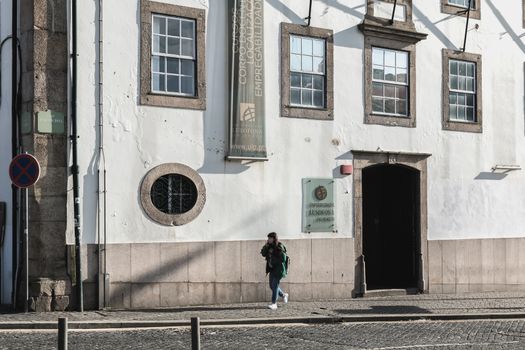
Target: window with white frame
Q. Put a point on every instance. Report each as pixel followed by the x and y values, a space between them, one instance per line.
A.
pixel 173 55
pixel 307 72
pixel 462 87
pixel 390 83
pixel 462 3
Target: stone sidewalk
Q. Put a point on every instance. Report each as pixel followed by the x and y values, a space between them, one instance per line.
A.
pixel 393 308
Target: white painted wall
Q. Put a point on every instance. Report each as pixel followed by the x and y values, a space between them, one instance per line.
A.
pixel 5 150
pixel 247 201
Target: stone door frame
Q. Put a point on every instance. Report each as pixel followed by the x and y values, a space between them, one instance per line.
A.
pixel 364 159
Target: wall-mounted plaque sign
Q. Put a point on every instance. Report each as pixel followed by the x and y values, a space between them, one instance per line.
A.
pixel 318 205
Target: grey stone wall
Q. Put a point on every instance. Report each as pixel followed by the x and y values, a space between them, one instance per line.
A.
pixel 43 37
pixel 477 265
pixel 178 274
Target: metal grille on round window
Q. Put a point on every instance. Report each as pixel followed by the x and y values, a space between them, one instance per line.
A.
pixel 174 194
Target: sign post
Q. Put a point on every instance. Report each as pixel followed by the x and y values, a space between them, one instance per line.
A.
pixel 24 171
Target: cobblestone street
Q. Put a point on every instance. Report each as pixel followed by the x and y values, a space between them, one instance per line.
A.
pixel 397 335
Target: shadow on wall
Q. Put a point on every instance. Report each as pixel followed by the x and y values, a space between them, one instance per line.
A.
pixel 487 175
pixel 216 116
pixel 515 37
pixel 433 28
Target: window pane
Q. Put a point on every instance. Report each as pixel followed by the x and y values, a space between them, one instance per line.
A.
pixel 159 25
pixel 454 67
pixel 306 81
pixel 461 99
pixel 319 48
pixel 318 82
pixel 401 107
pixel 470 114
pixel 401 59
pixel 173 83
pixel 158 82
pixel 453 99
pixel 295 44
pixel 390 91
pixel 402 75
pixel 187 29
pixel 295 97
pixel 306 63
pixel 390 58
pixel 377 104
pixel 173 27
pixel 453 112
pixel 390 74
pixel 318 65
pixel 461 112
pixel 470 70
pixel 187 47
pixel 187 85
pixel 318 99
pixel 462 68
pixel 390 106
pixel 377 56
pixel 162 44
pixel 295 80
pixel 462 83
pixel 470 84
pixel 378 73
pixel 454 82
pixel 174 46
pixel 173 65
pixel 187 67
pixel 377 89
pixel 159 44
pixel 295 62
pixel 470 100
pixel 307 97
pixel 307 46
pixel 401 92
pixel 158 64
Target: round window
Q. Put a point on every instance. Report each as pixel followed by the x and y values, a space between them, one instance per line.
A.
pixel 172 194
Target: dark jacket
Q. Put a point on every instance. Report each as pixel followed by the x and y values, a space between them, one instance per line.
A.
pixel 275 259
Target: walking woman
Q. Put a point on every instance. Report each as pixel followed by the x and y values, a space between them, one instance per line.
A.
pixel 276 267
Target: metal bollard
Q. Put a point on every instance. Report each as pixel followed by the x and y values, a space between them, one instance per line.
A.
pixel 195 333
pixel 62 333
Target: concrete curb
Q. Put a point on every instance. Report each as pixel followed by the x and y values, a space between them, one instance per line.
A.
pixel 87 325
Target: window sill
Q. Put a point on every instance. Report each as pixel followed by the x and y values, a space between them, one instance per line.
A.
pixel 173 101
pixel 453 125
pixel 307 112
pixel 391 120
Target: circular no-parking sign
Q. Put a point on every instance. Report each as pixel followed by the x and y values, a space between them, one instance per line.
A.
pixel 24 170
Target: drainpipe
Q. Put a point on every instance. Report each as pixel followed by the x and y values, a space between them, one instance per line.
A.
pixel 74 151
pixel 15 147
pixel 103 280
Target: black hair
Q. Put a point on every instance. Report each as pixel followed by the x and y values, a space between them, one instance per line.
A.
pixel 272 235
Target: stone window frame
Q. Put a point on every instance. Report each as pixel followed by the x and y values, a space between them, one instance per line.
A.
pixel 475 13
pixel 287 110
pixel 381 119
pixel 149 98
pixel 408 24
pixel 475 127
pixel 171 219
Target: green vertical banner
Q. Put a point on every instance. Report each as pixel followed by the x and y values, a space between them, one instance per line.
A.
pixel 247 119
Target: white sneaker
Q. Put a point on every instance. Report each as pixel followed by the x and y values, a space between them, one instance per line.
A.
pixel 285 298
pixel 272 306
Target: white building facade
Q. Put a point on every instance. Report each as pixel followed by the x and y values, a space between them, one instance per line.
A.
pixel 386 157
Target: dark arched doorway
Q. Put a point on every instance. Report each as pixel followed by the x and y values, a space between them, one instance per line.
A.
pixel 391 237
